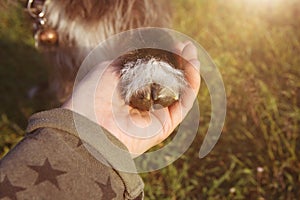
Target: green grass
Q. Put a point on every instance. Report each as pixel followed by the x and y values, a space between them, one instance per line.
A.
pixel 256 45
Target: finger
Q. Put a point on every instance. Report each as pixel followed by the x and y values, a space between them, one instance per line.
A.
pixel 179 47
pixel 186 42
pixel 192 75
pixel 175 113
pixel 189 52
pixel 196 64
pixel 179 110
pixel 192 66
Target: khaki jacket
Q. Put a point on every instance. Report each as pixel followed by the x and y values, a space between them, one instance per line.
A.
pixel 66 156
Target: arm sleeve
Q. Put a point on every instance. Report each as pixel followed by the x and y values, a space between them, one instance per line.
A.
pixel 66 156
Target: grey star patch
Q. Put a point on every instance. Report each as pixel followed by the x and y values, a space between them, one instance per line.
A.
pixel 107 192
pixel 9 190
pixel 46 173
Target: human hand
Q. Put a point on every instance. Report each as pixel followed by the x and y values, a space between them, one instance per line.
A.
pixel 98 99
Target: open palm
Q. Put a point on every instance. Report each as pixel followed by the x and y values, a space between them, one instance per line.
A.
pixel 137 130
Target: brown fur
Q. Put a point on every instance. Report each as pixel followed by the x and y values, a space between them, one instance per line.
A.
pixel 81 25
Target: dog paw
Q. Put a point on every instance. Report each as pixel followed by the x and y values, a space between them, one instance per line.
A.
pixel 153 96
pixel 150 82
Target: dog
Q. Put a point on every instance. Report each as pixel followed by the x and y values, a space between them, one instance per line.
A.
pixel 66 31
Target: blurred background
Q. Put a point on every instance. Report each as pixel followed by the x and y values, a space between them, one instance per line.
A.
pixel 256 46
